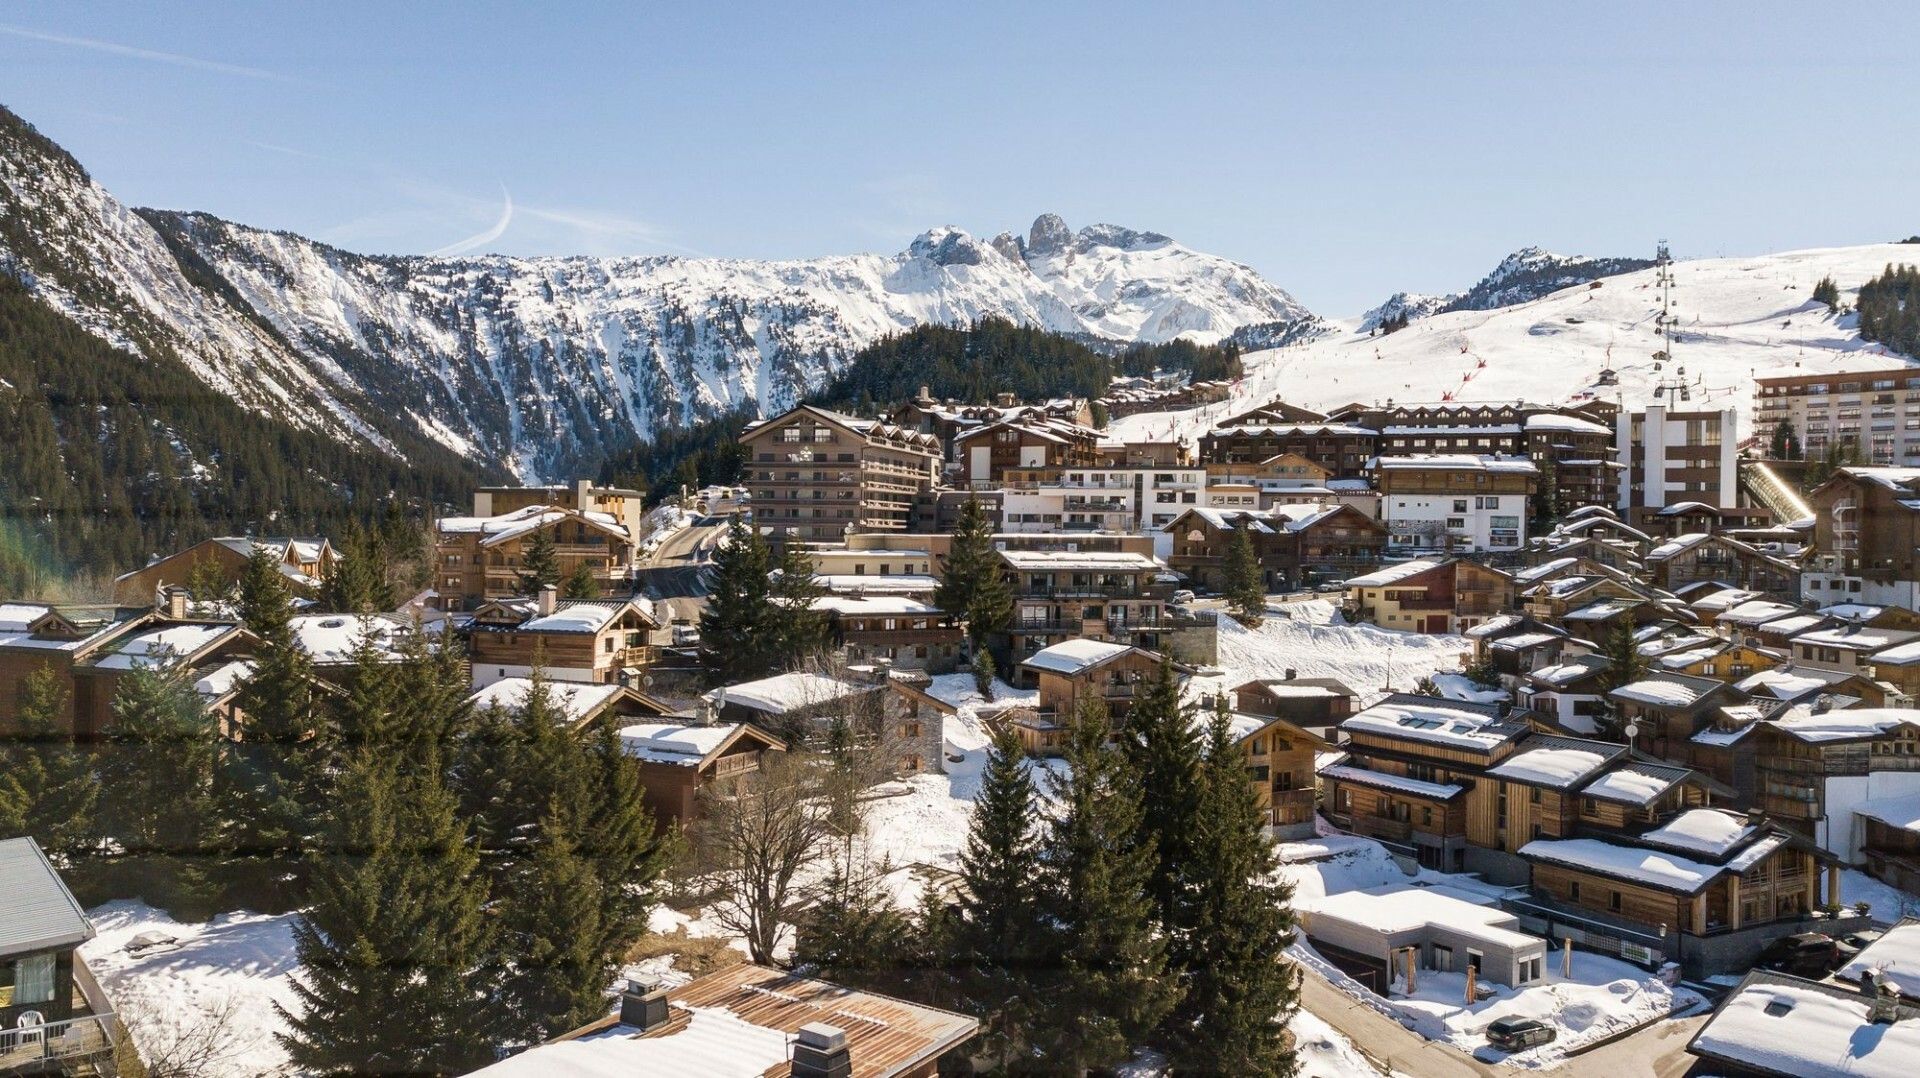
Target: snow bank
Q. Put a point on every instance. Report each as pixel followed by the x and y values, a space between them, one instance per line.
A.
pixel 1315 642
pixel 226 973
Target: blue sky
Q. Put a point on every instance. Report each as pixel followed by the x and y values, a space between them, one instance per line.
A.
pixel 1344 150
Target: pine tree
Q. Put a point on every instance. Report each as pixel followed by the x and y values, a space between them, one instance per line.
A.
pixel 1240 991
pixel 1625 664
pixel 972 586
pixel 357 581
pixel 1162 748
pixel 1785 443
pixel 50 781
pixel 1546 494
pixel 539 565
pixel 520 759
pixel 581 583
pixel 270 783
pixel 1828 293
pixel 855 935
pixel 799 630
pixel 1000 942
pixel 207 582
pixel 394 936
pixel 1241 579
pixel 735 642
pixel 1110 986
pixel 550 931
pixel 983 673
pixel 156 794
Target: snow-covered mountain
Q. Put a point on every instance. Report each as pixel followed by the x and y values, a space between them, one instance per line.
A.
pixel 545 364
pixel 1529 273
pixel 1411 305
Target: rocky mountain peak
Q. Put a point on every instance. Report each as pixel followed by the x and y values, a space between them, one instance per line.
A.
pixel 1048 236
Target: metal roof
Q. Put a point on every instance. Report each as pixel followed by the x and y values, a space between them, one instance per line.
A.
pixel 37 912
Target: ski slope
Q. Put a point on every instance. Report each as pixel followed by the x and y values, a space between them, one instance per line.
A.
pixel 1739 318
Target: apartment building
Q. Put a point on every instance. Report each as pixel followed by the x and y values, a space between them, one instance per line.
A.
pixel 1866 538
pixel 987 452
pixel 1143 500
pixel 1295 545
pixel 1878 411
pixel 1101 595
pixel 1669 456
pixel 818 474
pixel 1456 502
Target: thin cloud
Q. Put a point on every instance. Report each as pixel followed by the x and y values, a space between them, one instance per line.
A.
pixel 480 239
pixel 131 52
pixel 601 226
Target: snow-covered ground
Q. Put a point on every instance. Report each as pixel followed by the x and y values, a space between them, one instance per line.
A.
pixel 1315 641
pixel 1738 317
pixel 1324 1052
pixel 1888 903
pixel 220 983
pixel 1603 995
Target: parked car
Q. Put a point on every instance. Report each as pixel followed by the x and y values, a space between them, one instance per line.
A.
pixel 1332 585
pixel 1851 944
pixel 1516 1034
pixel 1183 596
pixel 1805 954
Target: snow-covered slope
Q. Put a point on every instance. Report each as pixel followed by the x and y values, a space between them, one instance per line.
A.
pixel 1413 305
pixel 1739 317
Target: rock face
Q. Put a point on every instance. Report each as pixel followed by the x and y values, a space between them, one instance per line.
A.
pixel 544 365
pixel 1530 273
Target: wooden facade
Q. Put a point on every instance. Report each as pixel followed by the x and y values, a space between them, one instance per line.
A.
pixel 818 475
pixel 572 640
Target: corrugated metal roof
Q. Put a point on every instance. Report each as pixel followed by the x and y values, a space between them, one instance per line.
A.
pixel 37 912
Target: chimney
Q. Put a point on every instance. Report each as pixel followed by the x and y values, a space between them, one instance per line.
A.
pixel 710 706
pixel 1756 817
pixel 583 494
pixel 1292 673
pixel 176 602
pixel 548 601
pixel 643 1005
pixel 1884 1006
pixel 820 1051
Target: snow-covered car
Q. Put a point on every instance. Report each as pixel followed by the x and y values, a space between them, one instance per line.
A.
pixel 1332 585
pixel 1851 944
pixel 1183 596
pixel 147 943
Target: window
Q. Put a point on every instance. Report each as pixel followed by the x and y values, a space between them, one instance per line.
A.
pixel 32 979
pixel 1613 901
pixel 1573 890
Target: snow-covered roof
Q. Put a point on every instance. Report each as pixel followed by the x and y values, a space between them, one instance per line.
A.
pixel 1442 722
pixel 1496 624
pixel 1757 612
pixel 1898 655
pixel 331 638
pixel 1677 545
pixel 1709 831
pixel 1399 908
pixel 215 683
pixel 1896 954
pixel 1787 626
pixel 1787 682
pixel 1558 765
pixel 1075 656
pixel 1550 421
pixel 1666 690
pixel 673 743
pixel 1506 465
pixel 1844 725
pixel 1523 641
pixel 1394 574
pixel 1852 611
pixel 1856 638
pixel 1723 600
pixel 504 527
pixel 573 699
pixel 874 604
pixel 1788 1026
pixel 1562 674
pixel 1437 791
pixel 157 649
pixel 1901 812
pixel 573 617
pixel 1092 561
pixel 1635 784
pixel 1668 871
pixel 889 584
pixel 787 692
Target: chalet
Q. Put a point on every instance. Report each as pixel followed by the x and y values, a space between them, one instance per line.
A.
pixel 1411 763
pixel 1699 556
pixel 1848 648
pixel 1687 888
pixel 1280 766
pixel 1572 692
pixel 1744 620
pixel 1775 1025
pixel 303 560
pixel 889 717
pixel 1866 538
pixel 37 636
pixel 893 629
pixel 606 641
pixel 678 761
pixel 1342 449
pixel 1886 837
pixel 1814 765
pixel 1552 600
pixel 1790 683
pixel 1430 596
pixel 1075 672
pixel 1315 705
pixel 1620 554
pixel 1282 468
pixel 1091 594
pixel 1295 545
pixel 1667 710
pixel 1685 518
pixel 752 1020
pixel 479 559
pixel 212 656
pixel 57 1020
pixel 986 452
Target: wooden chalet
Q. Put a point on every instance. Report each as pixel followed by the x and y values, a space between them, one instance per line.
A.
pixel 593 640
pixel 678 761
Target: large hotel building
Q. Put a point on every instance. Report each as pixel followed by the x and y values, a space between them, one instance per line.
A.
pixel 1877 410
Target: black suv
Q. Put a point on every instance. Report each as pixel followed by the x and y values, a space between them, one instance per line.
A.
pixel 1806 954
pixel 1518 1034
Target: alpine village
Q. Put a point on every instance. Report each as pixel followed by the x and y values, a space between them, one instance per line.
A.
pixel 1093 663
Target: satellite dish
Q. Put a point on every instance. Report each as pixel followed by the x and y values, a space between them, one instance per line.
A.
pixel 1632 730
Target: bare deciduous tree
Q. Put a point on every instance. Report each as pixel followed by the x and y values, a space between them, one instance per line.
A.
pixel 761 843
pixel 209 1042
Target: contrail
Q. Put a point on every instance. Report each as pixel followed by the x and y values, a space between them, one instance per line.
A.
pixel 153 55
pixel 481 238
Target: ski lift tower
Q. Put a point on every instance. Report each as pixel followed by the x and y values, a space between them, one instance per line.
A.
pixel 1666 322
